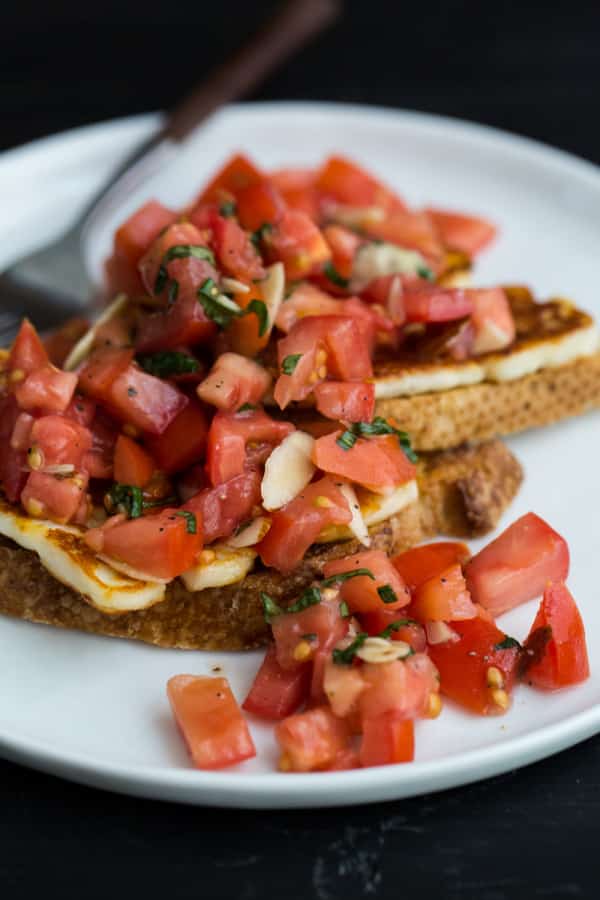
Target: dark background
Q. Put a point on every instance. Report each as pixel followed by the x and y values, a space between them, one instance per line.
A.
pixel 529 68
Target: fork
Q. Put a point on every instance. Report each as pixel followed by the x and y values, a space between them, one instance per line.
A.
pixel 52 283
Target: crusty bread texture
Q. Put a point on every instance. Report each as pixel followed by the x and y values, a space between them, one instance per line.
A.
pixel 462 493
pixel 480 412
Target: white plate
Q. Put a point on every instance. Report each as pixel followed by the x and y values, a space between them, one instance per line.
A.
pixel 94 709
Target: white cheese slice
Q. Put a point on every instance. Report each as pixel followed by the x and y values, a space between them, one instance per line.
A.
pixel 374 508
pixel 546 354
pixel 287 470
pixel 65 555
pixel 415 380
pixel 378 259
pixel 227 567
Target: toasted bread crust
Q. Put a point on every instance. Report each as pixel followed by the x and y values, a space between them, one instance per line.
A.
pixel 462 493
pixel 480 412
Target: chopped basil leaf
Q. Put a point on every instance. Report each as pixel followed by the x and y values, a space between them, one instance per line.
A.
pixel 395 626
pixel 508 643
pixel 425 272
pixel 345 657
pixel 258 236
pixel 334 276
pixel 179 251
pixel 228 209
pixel 344 610
pixel 379 426
pixel 270 609
pixel 344 576
pixel 310 597
pixel 260 311
pixel 127 499
pixel 215 305
pixel 191 526
pixel 387 593
pixel 290 362
pixel 346 440
pixel 163 501
pixel 168 362
pixel 172 292
pixel 246 407
pixel 311 636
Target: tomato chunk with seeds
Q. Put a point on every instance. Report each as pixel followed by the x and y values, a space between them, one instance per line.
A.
pixel 47 388
pixel 132 465
pixel 377 463
pixel 224 507
pixel 183 441
pixel 59 441
pixel 236 254
pixel 229 435
pixel 419 564
pixel 443 598
pixel 319 626
pixel 478 671
pixel 555 650
pixel 27 352
pixel 101 370
pixel 277 692
pixel 311 740
pixel 401 688
pixel 517 565
pixel 346 400
pixel 210 721
pixel 387 740
pixel 49 497
pixel 298 243
pixel 234 381
pixel 364 594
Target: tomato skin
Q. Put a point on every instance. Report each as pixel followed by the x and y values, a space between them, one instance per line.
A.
pixel 346 400
pixel 419 564
pixel 259 204
pixel 516 566
pixel 306 300
pixel 47 388
pixel 276 692
pixel 60 441
pixel 563 659
pixel 323 620
pixel 345 182
pixel 234 381
pixel 387 740
pixel 183 441
pixel 297 187
pixel 235 252
pixel 158 545
pixel 27 352
pixel 98 461
pixel 237 173
pixel 443 598
pixel 59 498
pixel 429 303
pixel 467 234
pixel 101 369
pixel 131 241
pixel 132 464
pixel 227 438
pixel 298 524
pixel 13 462
pixel 378 620
pixel 343 244
pixel 190 272
pixel 411 229
pixel 147 402
pixel 81 410
pixel 377 462
pixel 342 685
pixel 463 664
pixel 491 321
pixel 298 243
pixel 184 324
pixel 20 438
pixel 360 593
pixel 210 721
pixel 224 507
pixel 311 740
pixel 401 688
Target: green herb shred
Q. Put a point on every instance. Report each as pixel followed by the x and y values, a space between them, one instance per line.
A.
pixel 310 597
pixel 260 311
pixel 334 276
pixel 344 610
pixel 379 426
pixel 270 609
pixel 127 499
pixel 290 362
pixel 425 272
pixel 246 407
pixel 166 363
pixel 228 209
pixel 387 593
pixel 509 643
pixel 179 251
pixel 345 657
pixel 259 235
pixel 345 576
pixel 191 526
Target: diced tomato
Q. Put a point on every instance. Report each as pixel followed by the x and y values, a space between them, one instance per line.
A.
pixel 324 344
pixel 401 688
pixel 311 740
pixel 298 524
pixel 362 592
pixel 190 482
pixel 210 721
pixel 235 252
pixel 297 187
pixel 50 497
pixel 189 271
pixel 467 234
pixel 413 230
pixel 81 410
pixel 60 441
pixel 491 320
pixel 387 740
pixel 147 402
pixel 464 666
pixel 185 323
pixel 517 565
pixel 443 598
pixel 59 343
pixel 98 461
pixel 159 546
pixel 183 441
pixel 422 563
pixel 27 352
pixel 436 304
pixel 555 650
pixel 243 333
pixel 343 685
pixel 377 463
pixel 133 465
pixel 237 174
pixel 343 244
pixel 306 299
pixel 224 507
pixel 230 433
pixel 13 469
pixel 47 388
pixel 259 204
pixel 233 381
pixel 20 439
pixel 298 243
pixel 101 369
pixel 131 241
pixel 344 181
pixel 346 400
pixel 320 625
pixel 380 619
pixel 344 761
pixel 277 692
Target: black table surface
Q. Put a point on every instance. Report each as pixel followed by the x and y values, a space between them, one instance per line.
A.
pixel 531 68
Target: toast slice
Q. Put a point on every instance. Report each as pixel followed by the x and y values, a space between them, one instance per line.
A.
pixel 462 493
pixel 550 372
